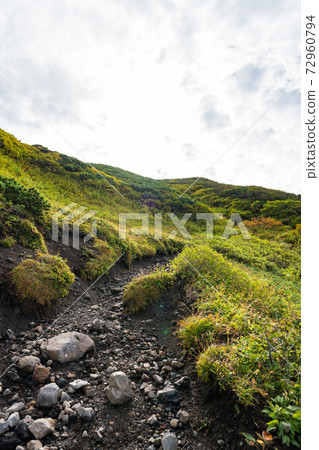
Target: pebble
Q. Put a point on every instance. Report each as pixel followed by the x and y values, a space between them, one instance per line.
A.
pixel 28 363
pixel 169 441
pixel 48 395
pixel 152 420
pixel 42 427
pixel 85 414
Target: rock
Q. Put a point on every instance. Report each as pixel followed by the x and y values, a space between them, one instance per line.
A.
pixel 220 442
pixel 86 414
pixel 65 397
pixel 34 445
pixel 28 363
pixel 168 395
pixel 65 419
pixel 42 427
pixel 169 441
pixel 85 434
pixel 97 325
pixel 12 374
pixel 22 430
pixel 152 420
pixel 14 419
pixel 177 364
pixel 97 436
pixel 78 384
pixel 183 416
pixel 183 382
pixel 48 395
pixel 174 423
pixel 119 390
pixel 16 407
pixel 4 426
pixel 40 373
pixel 66 347
pixel 9 442
pixel 158 380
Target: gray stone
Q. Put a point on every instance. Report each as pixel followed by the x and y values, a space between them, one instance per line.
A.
pixel 12 374
pixel 42 427
pixel 78 384
pixel 48 395
pixel 65 419
pixel 28 363
pixel 14 419
pixel 66 347
pixel 16 407
pixel 169 441
pixel 86 414
pixel 119 390
pixel 152 420
pixel 168 395
pixel 183 416
pixel 4 426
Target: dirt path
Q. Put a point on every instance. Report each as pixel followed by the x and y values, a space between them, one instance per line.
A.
pixel 141 346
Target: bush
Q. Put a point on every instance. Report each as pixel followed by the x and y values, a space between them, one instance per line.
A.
pixel 42 281
pixel 7 242
pixel 29 198
pixel 146 289
pixel 26 233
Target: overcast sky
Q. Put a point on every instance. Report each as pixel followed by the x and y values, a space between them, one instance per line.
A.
pixel 158 87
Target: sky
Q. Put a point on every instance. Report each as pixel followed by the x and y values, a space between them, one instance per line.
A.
pixel 163 88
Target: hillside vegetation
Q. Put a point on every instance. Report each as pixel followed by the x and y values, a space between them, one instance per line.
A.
pixel 244 327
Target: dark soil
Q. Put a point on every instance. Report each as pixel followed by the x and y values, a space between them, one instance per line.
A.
pixel 129 344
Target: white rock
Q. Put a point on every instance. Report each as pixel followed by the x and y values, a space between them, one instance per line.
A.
pixel 119 390
pixel 14 419
pixel 34 445
pixel 28 363
pixel 66 347
pixel 78 384
pixel 169 441
pixel 183 416
pixel 16 407
pixel 42 427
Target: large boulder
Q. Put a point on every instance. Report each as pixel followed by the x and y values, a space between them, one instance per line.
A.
pixel 66 347
pixel 119 390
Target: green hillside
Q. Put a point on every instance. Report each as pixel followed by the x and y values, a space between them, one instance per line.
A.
pixel 244 329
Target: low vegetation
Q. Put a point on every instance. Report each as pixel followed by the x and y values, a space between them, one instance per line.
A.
pixel 41 281
pixel 245 329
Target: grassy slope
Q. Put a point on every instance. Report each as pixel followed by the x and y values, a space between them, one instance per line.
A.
pixel 259 278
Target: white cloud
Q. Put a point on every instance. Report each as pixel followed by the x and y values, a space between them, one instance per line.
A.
pixel 131 83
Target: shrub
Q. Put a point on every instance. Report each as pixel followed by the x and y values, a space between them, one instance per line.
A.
pixel 29 198
pixel 146 289
pixel 7 242
pixel 102 257
pixel 42 281
pixel 26 233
